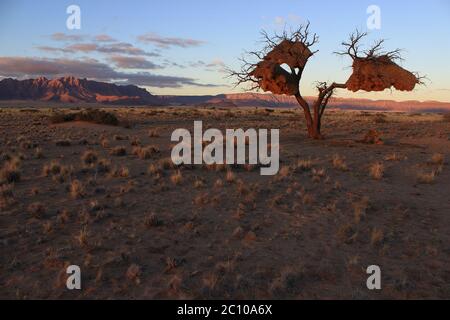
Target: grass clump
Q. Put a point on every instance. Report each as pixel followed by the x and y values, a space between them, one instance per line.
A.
pixel 90 115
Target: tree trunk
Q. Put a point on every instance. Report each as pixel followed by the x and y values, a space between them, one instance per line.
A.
pixel 312 124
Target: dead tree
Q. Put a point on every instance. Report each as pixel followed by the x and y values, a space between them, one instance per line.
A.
pixel 280 65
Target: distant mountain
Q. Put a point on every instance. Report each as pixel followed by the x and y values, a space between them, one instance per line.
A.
pixel 71 89
pixel 276 101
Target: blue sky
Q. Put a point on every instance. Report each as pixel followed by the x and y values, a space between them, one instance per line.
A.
pixel 203 36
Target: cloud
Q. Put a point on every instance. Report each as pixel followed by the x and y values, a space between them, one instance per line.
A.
pixel 112 48
pixel 197 64
pixel 59 36
pixel 213 66
pixel 216 63
pixel 167 42
pixel 104 38
pixel 82 47
pixel 52 49
pixel 27 67
pixel 125 48
pixel 125 62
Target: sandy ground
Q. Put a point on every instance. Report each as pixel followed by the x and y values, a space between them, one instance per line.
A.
pixel 139 228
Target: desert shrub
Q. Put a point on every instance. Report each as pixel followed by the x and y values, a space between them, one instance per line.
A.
pixel 146 152
pixel 437 158
pixel 89 157
pixel 62 117
pixel 76 189
pixel 89 115
pixel 119 151
pixel 426 178
pixel 10 172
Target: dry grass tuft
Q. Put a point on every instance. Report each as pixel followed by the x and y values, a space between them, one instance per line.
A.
pixel 145 153
pixel 82 237
pixel 284 172
pixel 199 183
pixel 426 178
pixel 167 163
pixel 230 176
pixel 339 163
pixel 152 220
pixel 89 115
pixel 119 151
pixel 376 170
pixel 376 237
pixel 176 178
pixel 154 169
pixel 133 273
pixel 89 158
pixel 360 209
pixel 10 172
pixel 437 158
pixel 304 165
pixel 76 189
pixel 153 133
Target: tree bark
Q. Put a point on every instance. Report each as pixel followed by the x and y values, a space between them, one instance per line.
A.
pixel 314 121
pixel 311 123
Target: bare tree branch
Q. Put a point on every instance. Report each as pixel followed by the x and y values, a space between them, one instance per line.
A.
pixel 351 47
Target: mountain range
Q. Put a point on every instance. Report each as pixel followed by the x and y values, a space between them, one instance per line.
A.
pixel 73 90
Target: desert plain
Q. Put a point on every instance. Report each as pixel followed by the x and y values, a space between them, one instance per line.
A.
pixel 109 199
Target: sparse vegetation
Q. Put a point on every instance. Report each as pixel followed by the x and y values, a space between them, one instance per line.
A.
pixel 89 115
pixel 426 178
pixel 119 151
pixel 76 189
pixel 437 158
pixel 176 178
pixel 89 158
pixel 376 170
pixel 339 163
pixel 80 204
pixel 10 172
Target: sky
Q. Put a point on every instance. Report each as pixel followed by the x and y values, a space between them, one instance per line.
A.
pixel 183 47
